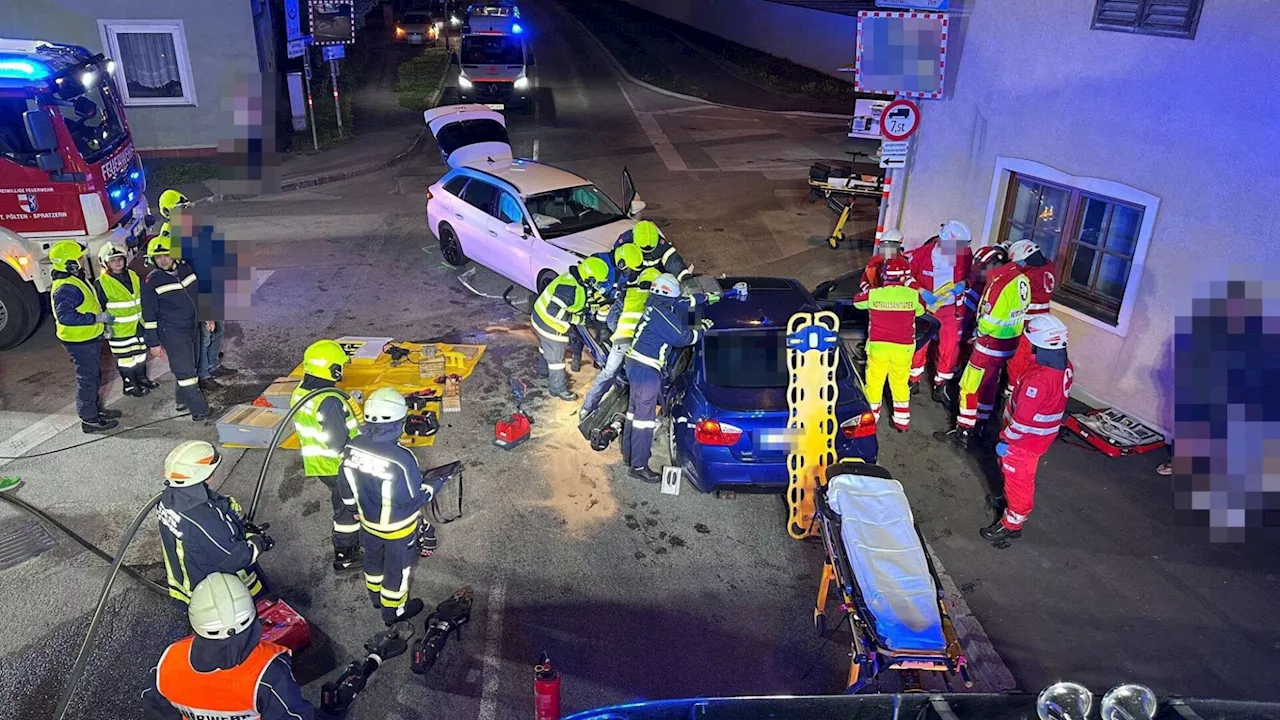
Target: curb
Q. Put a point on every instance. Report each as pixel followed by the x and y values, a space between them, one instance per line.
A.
pixel 315 180
pixel 622 72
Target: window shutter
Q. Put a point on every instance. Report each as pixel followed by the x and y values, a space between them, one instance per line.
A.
pixel 1174 18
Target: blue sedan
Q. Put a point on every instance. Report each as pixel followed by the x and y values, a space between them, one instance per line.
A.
pixel 726 405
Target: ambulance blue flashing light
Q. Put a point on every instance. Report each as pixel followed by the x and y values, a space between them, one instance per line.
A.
pixel 516 29
pixel 14 69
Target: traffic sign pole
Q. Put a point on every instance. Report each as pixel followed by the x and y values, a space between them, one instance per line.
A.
pixel 333 79
pixel 311 108
pixel 898 122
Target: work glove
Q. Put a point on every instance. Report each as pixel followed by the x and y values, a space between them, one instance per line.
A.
pixel 959 288
pixel 707 324
pixel 262 541
pixel 929 298
pixel 714 298
pixel 1002 449
pixel 104 317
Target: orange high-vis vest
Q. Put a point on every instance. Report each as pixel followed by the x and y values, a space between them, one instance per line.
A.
pixel 230 694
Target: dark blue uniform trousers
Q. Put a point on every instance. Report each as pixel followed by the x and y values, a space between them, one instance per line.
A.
pixel 642 414
pixel 182 347
pixel 87 357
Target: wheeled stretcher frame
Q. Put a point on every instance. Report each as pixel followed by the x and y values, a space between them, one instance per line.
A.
pixel 872 653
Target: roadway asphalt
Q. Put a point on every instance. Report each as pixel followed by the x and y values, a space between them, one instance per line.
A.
pixel 634 594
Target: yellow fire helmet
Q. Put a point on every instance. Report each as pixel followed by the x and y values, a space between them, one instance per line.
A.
pixel 169 199
pixel 647 276
pixel 324 359
pixel 161 244
pixel 66 255
pixel 645 235
pixel 628 257
pixel 593 270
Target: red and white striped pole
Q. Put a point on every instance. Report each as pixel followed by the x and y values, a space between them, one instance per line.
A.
pixel 884 207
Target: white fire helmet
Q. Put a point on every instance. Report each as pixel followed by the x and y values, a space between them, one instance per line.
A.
pixel 1046 331
pixel 385 405
pixel 666 285
pixel 955 231
pixel 1022 250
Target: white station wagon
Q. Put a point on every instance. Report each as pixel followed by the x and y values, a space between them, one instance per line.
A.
pixel 523 219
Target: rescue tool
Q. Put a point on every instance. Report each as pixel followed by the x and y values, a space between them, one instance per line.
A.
pixel 515 429
pixel 337 695
pixel 449 617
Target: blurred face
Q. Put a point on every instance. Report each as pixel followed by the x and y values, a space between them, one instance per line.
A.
pixel 115 264
pixel 890 250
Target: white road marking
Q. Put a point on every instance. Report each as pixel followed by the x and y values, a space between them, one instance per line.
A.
pixel 492 653
pixel 51 425
pixel 535 149
pixel 658 139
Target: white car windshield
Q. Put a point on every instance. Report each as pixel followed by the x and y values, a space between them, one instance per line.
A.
pixel 570 210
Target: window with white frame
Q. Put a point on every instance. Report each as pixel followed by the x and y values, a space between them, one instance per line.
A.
pixel 153 67
pixel 1094 232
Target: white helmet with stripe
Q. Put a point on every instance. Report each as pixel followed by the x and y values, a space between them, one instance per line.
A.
pixel 191 463
pixel 1046 331
pixel 955 231
pixel 666 285
pixel 1022 250
pixel 111 250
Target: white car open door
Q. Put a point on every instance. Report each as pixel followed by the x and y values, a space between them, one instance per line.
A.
pixel 469 135
pixel 632 205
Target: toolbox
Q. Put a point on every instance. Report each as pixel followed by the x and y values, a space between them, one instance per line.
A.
pixel 249 426
pixel 280 392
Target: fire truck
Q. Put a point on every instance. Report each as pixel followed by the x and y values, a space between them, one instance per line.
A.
pixel 68 170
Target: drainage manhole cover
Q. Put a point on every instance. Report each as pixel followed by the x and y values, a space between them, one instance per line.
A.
pixel 21 541
pixel 659 221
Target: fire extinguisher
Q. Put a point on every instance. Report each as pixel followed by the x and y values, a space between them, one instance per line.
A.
pixel 546 690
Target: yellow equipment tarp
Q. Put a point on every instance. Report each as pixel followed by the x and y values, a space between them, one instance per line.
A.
pixel 371 368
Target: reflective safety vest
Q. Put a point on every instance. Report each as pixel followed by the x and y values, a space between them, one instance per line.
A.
pixel 89 305
pixel 892 311
pixel 230 694
pixel 632 310
pixel 1003 308
pixel 558 307
pixel 318 458
pixel 124 303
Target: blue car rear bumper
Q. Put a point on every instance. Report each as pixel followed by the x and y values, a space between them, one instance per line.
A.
pixel 715 468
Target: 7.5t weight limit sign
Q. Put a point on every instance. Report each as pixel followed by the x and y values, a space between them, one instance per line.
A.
pixel 899 120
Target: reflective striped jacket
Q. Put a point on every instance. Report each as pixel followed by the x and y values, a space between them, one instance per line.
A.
pixel 625 315
pixel 665 257
pixel 384 480
pixel 169 303
pixel 1003 308
pixel 558 307
pixel 1036 408
pixel 324 425
pixel 664 325
pixel 201 533
pixel 121 295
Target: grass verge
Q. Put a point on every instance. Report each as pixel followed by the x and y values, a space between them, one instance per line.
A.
pixel 351 73
pixel 630 33
pixel 418 78
pixel 167 173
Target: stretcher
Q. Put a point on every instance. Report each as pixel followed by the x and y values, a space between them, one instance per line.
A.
pixel 888 587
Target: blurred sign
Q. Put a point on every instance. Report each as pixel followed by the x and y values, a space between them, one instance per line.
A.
pixel 332 22
pixel 297 100
pixel 333 52
pixel 894 148
pixel 296 48
pixel 292 21
pixel 866 118
pixel 915 4
pixel 901 53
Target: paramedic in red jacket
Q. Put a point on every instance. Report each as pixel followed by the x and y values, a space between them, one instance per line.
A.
pixel 889 247
pixel 1031 424
pixel 986 260
pixel 1036 267
pixel 941 269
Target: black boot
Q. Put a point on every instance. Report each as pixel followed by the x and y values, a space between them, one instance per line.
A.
pixel 409 610
pixel 345 558
pixel 427 540
pixel 644 474
pixel 942 395
pixel 996 502
pixel 575 362
pixel 915 388
pixel 147 383
pixel 210 385
pixel 958 436
pixel 997 532
pixel 224 371
pixel 102 424
pixel 109 414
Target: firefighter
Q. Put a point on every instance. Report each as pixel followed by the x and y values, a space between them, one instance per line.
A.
pixel 170 321
pixel 201 531
pixel 80 323
pixel 891 339
pixel 657 251
pixel 324 425
pixel 624 318
pixel 120 292
pixel 1000 316
pixel 384 481
pixel 941 269
pixel 1031 424
pixel 559 307
pixel 170 199
pixel 889 247
pixel 664 325
pixel 225 670
pixel 1036 267
pixel 624 262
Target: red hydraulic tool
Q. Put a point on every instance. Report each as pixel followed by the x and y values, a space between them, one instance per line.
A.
pixel 515 429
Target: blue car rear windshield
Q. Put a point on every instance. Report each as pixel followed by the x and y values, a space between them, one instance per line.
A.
pixel 749 359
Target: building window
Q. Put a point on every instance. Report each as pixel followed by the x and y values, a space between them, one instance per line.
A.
pixel 1090 239
pixel 1170 18
pixel 153 67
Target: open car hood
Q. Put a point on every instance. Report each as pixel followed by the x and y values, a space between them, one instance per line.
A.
pixel 595 240
pixel 469 135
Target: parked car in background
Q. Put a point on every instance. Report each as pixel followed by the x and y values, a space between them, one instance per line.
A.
pixel 417 28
